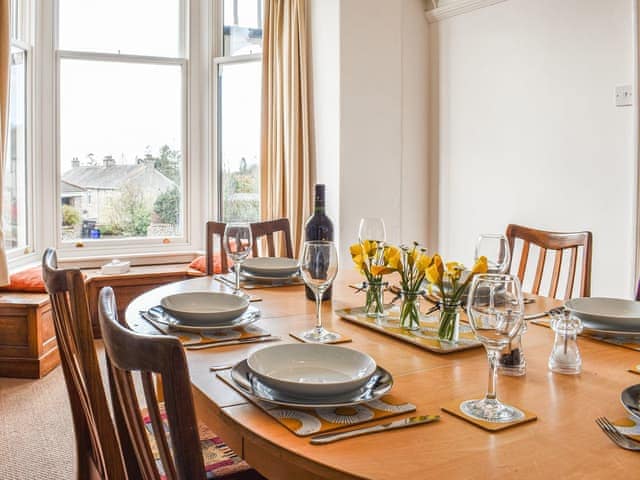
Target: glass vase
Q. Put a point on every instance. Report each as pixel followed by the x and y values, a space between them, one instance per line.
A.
pixel 374 306
pixel 410 310
pixel 449 326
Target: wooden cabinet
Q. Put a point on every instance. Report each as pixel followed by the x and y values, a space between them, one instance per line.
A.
pixel 28 347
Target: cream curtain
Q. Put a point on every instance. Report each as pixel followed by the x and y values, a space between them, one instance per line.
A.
pixel 5 51
pixel 286 152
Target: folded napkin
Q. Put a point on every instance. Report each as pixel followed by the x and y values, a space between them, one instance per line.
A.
pixel 309 421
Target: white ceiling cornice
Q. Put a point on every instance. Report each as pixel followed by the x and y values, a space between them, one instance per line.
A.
pixel 451 8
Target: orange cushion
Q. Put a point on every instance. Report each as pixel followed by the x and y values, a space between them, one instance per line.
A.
pixel 200 263
pixel 29 280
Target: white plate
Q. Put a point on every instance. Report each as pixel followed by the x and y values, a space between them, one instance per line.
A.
pixel 205 307
pixel 250 385
pixel 250 316
pixel 613 314
pixel 283 279
pixel 271 266
pixel 311 370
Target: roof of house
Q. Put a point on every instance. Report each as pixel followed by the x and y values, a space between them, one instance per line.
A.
pixel 112 177
pixel 71 188
pixel 100 177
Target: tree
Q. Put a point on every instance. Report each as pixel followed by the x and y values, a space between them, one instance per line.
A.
pixel 168 163
pixel 130 213
pixel 167 206
pixel 70 216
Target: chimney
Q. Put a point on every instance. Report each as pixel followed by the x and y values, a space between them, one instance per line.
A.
pixel 108 161
pixel 75 163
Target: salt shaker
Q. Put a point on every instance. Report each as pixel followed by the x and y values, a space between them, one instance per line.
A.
pixel 565 356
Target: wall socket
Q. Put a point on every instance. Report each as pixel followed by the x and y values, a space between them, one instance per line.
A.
pixel 624 96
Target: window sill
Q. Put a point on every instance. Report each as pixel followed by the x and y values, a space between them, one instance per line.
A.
pixel 96 261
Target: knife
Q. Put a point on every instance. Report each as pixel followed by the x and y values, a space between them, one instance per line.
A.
pixel 405 422
pixel 233 342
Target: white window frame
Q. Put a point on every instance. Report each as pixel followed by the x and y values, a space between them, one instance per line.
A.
pixel 220 59
pixel 24 253
pixel 195 44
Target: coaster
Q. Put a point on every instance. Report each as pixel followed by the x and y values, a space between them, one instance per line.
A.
pixel 635 369
pixel 454 409
pixel 628 426
pixel 341 339
pixel 309 421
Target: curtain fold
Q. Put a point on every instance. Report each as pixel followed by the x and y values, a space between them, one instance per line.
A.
pixel 5 52
pixel 287 163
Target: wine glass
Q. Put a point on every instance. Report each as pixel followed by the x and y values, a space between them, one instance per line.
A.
pixel 237 242
pixel 495 312
pixel 319 266
pixel 495 247
pixel 373 229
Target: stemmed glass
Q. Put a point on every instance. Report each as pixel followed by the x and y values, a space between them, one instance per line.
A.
pixel 319 266
pixel 495 247
pixel 237 242
pixel 495 312
pixel 373 229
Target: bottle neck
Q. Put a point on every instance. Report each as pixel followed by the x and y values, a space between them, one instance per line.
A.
pixel 319 204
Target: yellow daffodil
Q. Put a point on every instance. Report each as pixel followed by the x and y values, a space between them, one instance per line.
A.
pixel 378 270
pixel 481 266
pixel 390 252
pixel 395 260
pixel 355 250
pixel 423 263
pixel 435 272
pixel 454 270
pixel 370 247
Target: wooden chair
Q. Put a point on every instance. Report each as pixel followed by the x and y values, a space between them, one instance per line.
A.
pixel 98 449
pixel 558 242
pixel 267 229
pixel 163 355
pixel 216 229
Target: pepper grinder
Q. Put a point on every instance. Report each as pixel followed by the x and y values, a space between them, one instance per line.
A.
pixel 565 356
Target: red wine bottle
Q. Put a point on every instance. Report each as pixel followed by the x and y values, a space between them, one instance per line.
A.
pixel 318 227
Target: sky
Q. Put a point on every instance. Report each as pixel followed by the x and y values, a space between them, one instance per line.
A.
pixel 126 110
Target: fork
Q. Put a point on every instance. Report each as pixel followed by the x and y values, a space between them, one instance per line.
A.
pixel 616 437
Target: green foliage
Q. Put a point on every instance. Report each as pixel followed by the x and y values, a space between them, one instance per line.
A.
pixel 70 216
pixel 130 213
pixel 245 182
pixel 168 163
pixel 167 206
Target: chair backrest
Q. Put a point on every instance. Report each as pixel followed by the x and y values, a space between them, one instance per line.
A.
pixel 216 229
pixel 129 352
pixel 98 450
pixel 558 242
pixel 267 229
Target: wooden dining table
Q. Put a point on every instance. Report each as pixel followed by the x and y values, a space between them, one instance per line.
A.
pixel 564 442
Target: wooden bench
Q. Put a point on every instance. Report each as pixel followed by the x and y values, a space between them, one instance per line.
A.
pixel 28 347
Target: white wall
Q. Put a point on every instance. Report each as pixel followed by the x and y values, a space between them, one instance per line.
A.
pixel 380 168
pixel 526 130
pixel 325 53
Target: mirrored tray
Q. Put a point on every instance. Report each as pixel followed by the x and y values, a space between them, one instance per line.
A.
pixel 248 384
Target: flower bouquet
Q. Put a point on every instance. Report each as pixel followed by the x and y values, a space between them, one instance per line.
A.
pixel 451 280
pixel 372 259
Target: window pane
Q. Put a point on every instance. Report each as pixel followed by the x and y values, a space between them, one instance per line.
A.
pixel 139 27
pixel 15 192
pixel 242 27
pixel 239 121
pixel 120 147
